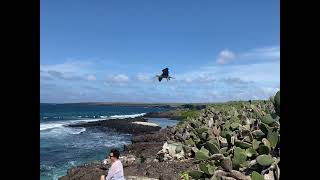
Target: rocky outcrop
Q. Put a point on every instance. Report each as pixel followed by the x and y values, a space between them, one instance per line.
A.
pixel 160 170
pixel 174 114
pixel 135 171
pixel 160 136
pixel 194 107
pixel 171 151
pixel 139 161
pixel 147 145
pixel 139 178
pixel 91 171
pixel 122 125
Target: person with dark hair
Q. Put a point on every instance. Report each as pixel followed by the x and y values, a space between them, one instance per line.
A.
pixel 116 170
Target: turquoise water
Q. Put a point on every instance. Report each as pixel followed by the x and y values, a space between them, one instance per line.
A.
pixel 63 147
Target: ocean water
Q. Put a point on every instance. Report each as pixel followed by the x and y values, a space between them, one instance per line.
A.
pixel 62 147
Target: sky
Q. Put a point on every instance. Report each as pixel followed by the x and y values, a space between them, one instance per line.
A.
pixel 111 50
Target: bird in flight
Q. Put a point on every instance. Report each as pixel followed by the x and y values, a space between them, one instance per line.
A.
pixel 165 74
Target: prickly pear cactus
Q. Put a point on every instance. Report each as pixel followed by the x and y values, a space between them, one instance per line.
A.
pixel 235 140
pixel 277 102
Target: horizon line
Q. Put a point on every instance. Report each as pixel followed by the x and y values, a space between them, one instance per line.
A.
pixel 151 102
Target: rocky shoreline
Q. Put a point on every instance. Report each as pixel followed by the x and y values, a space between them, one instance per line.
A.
pixel 173 115
pixel 235 141
pixel 139 160
pixel 127 125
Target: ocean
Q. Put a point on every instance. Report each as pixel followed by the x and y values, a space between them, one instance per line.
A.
pixel 62 147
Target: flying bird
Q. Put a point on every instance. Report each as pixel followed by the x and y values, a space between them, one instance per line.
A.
pixel 165 74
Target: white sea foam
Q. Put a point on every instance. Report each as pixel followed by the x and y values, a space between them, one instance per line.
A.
pixel 83 120
pixel 127 116
pixel 61 124
pixel 78 130
pixel 60 127
pixel 46 126
pixel 72 163
pixel 146 123
pixel 59 132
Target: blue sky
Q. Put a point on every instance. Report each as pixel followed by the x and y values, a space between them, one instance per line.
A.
pixel 110 50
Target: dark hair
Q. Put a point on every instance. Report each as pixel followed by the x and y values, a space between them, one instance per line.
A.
pixel 115 153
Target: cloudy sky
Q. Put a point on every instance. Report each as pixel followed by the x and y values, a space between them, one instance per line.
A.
pixel 110 50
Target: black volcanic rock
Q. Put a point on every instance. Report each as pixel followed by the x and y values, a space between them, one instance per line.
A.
pixel 176 115
pixel 143 147
pixel 147 141
pixel 193 107
pixel 161 136
pixel 121 125
pixel 85 172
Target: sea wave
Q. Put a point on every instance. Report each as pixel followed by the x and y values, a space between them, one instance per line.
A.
pixel 60 127
pixel 46 126
pixel 62 124
pixel 60 132
pixel 53 129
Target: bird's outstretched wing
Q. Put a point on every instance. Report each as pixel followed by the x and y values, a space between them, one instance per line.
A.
pixel 165 72
pixel 158 77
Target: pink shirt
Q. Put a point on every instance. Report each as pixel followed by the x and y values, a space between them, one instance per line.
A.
pixel 116 171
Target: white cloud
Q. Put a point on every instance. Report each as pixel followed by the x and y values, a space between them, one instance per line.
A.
pixel 225 56
pixel 271 53
pixel 261 72
pixel 264 54
pixel 188 79
pixel 196 76
pixel 68 70
pixel 64 76
pixel 69 66
pixel 253 74
pixel 235 81
pixel 143 77
pixel 119 78
pixel 269 91
pixel 91 77
pixel 54 73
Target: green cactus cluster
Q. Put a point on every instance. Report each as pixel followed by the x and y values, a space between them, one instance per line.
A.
pixel 237 140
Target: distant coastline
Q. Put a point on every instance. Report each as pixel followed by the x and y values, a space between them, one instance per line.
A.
pixel 154 104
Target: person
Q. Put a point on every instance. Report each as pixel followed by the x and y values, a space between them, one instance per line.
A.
pixel 116 170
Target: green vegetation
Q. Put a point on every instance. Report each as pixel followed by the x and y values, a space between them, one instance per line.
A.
pixel 236 139
pixel 187 114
